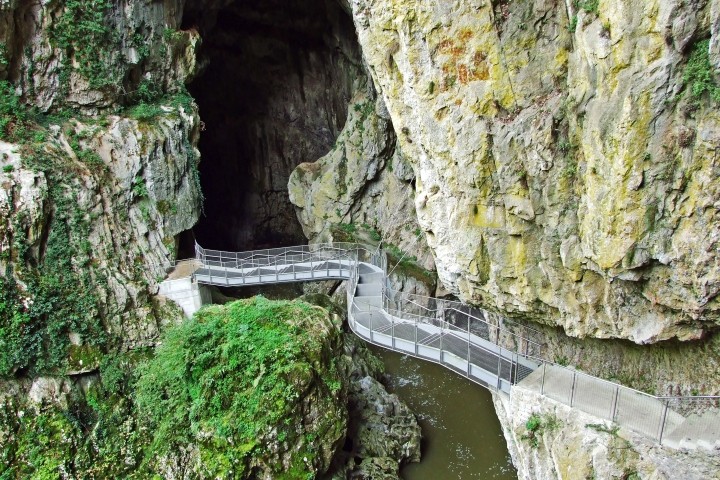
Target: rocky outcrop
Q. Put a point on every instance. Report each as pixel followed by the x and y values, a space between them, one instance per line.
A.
pixel 315 406
pixel 136 185
pixel 548 440
pixel 363 181
pixel 91 206
pixel 383 433
pixel 561 172
pixel 93 56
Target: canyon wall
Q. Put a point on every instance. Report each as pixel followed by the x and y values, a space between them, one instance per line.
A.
pixel 564 154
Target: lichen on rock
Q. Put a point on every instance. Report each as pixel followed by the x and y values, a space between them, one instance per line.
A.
pixel 558 168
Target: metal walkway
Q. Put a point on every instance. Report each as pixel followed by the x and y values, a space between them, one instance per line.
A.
pixel 487 349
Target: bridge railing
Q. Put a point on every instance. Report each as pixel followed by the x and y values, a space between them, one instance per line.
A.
pixel 474 320
pixel 651 415
pixel 273 256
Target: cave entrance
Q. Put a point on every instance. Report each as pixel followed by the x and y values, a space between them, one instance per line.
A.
pixel 274 93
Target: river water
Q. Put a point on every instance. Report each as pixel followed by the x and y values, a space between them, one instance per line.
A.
pixel 462 437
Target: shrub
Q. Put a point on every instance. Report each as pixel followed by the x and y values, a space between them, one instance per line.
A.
pixel 698 77
pixel 233 372
pixel 12 112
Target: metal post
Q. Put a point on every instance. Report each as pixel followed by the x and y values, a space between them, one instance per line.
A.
pixel 572 389
pixel 372 326
pixel 441 342
pixel 613 410
pixel 468 349
pixel 499 381
pixel 542 385
pixel 662 422
pixel 416 331
pixel 392 331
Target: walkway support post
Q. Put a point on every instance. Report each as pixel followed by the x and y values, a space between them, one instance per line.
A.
pixel 468 349
pixel 392 331
pixel 662 421
pixel 499 381
pixel 613 410
pixel 416 333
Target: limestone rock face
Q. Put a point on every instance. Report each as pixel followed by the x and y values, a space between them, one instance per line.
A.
pixel 562 171
pixel 364 180
pixel 107 186
pixel 137 193
pixel 64 55
pixel 572 444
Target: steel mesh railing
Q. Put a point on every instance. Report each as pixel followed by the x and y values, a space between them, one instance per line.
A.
pixel 486 348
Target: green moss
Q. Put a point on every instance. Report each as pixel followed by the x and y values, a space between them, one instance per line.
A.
pixel 234 373
pixel 84 357
pixel 698 76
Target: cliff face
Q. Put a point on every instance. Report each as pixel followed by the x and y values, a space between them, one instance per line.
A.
pixel 565 170
pixel 99 175
pixel 548 440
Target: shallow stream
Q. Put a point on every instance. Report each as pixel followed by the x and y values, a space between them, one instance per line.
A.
pixel 462 437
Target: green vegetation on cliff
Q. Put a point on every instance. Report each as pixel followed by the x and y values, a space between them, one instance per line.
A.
pixel 83 33
pixel 51 291
pixel 698 76
pixel 234 377
pixel 241 389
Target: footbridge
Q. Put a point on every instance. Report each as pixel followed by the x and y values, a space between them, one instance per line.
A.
pixel 487 349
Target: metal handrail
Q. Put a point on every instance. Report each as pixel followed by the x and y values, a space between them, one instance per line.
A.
pixel 530 329
pixel 496 337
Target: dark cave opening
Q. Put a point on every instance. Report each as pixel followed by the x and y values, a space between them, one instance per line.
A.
pixel 273 93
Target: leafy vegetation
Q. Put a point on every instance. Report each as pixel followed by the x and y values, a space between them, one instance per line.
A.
pixel 698 77
pixel 84 35
pixel 60 296
pixel 536 425
pixel 60 292
pixel 98 436
pixel 230 376
pixel 599 427
pixel 224 381
pixel 13 114
pixel 589 6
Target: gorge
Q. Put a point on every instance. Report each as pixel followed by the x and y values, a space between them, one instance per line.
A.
pixel 554 163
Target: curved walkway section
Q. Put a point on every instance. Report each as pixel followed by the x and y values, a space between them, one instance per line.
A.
pixel 488 350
